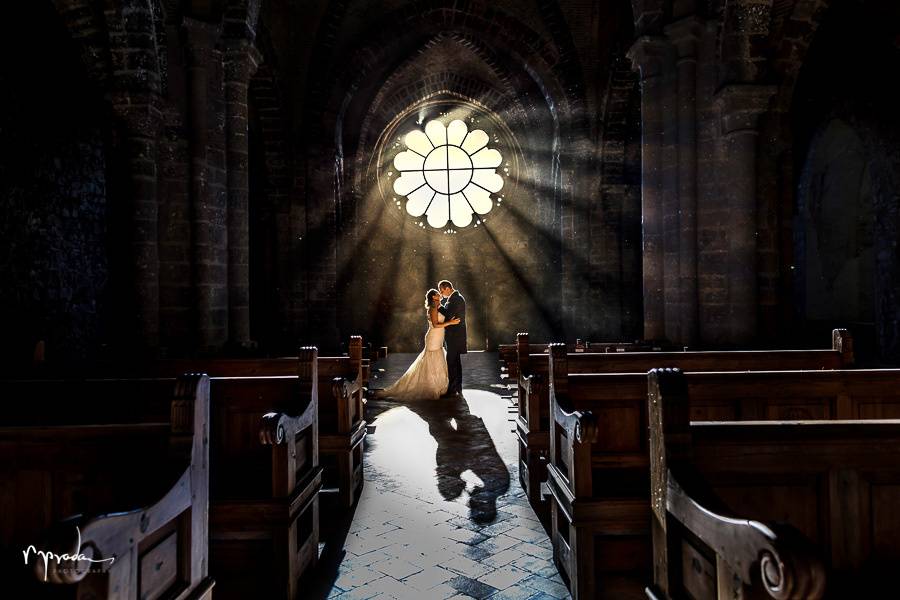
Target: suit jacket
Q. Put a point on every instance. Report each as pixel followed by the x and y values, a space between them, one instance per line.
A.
pixel 455 335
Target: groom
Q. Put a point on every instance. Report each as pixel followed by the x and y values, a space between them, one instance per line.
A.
pixel 454 305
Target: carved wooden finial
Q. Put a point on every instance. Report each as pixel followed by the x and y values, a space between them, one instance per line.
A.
pixel 355 348
pixel 559 368
pixel 669 418
pixel 522 351
pixel 187 389
pixel 306 364
pixel 842 342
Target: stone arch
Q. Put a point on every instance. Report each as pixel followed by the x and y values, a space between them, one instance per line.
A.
pixel 411 84
pixel 500 40
pixel 839 88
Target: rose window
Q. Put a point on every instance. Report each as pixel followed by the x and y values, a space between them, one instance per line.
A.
pixel 448 173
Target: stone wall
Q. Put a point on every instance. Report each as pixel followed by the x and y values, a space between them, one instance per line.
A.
pixel 53 264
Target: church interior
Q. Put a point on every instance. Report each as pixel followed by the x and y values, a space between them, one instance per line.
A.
pixel 674 223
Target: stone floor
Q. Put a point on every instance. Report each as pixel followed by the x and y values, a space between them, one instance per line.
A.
pixel 442 514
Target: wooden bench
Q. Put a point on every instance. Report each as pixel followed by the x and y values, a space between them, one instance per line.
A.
pixel 598 471
pixel 342 429
pixel 342 382
pixel 771 509
pixel 508 353
pixel 341 390
pixel 532 422
pixel 113 473
pixel 266 478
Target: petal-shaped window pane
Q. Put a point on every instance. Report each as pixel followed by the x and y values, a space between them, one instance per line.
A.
pixel 418 201
pixel 488 180
pixel 459 180
pixel 408 161
pixel 456 132
pixel 439 212
pixel 487 159
pixel 417 141
pixel 460 212
pixel 408 182
pixel 479 199
pixel 448 173
pixel 475 141
pixel 436 132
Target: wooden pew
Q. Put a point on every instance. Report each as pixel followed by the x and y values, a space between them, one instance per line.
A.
pixel 266 478
pixel 789 510
pixel 342 382
pixel 599 458
pixel 532 422
pixel 508 353
pixel 113 473
pixel 342 428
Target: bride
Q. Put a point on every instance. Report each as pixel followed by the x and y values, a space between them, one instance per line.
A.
pixel 426 377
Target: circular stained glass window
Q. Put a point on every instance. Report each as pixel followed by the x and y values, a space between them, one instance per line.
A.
pixel 447 174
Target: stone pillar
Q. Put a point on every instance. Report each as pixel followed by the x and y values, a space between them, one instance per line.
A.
pixel 740 107
pixel 648 54
pixel 685 35
pixel 669 190
pixel 141 119
pixel 208 221
pixel 241 61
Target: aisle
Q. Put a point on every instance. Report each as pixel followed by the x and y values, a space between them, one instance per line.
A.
pixel 442 514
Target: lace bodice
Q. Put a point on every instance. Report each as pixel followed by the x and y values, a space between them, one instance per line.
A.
pixel 440 319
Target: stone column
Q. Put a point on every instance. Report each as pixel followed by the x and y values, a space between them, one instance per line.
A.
pixel 669 190
pixel 141 119
pixel 241 61
pixel 208 219
pixel 685 35
pixel 740 107
pixel 648 55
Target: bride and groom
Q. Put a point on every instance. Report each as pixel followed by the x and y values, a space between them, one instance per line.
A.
pixel 436 373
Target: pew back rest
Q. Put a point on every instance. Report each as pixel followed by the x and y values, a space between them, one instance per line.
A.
pixel 242 466
pixel 612 407
pixel 834 482
pixel 535 374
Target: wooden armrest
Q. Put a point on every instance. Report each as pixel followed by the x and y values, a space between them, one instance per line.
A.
pixel 788 568
pixel 276 427
pixel 530 381
pixel 581 424
pixel 342 388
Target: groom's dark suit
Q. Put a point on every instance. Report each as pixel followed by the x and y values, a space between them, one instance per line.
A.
pixel 455 337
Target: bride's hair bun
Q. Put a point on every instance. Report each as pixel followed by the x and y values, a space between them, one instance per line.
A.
pixel 428 296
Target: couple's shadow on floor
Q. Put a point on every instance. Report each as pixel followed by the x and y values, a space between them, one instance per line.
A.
pixel 463 444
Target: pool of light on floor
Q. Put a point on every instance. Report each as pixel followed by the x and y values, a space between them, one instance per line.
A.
pixel 446 450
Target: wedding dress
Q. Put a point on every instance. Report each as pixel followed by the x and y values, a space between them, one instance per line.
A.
pixel 426 378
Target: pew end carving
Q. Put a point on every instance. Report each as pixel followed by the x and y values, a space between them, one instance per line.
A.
pixel 771 509
pixel 143 531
